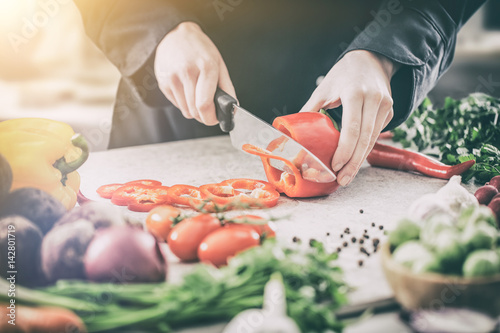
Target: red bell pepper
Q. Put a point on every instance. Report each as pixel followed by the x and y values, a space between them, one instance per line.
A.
pixel 255 193
pixel 405 160
pixel 316 132
pixel 186 195
pixel 140 197
pixel 106 191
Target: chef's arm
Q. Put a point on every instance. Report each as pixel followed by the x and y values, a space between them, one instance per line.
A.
pixel 128 32
pixel 419 37
pixel 162 51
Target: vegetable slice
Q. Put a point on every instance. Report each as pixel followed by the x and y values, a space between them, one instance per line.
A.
pixel 106 191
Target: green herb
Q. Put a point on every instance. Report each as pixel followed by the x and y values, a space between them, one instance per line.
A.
pixel 313 282
pixel 462 130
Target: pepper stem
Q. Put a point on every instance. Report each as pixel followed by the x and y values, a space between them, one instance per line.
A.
pixel 323 111
pixel 67 167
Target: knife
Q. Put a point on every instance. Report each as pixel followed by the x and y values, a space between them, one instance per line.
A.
pixel 246 128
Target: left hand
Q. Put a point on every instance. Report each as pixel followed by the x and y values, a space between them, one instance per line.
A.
pixel 360 82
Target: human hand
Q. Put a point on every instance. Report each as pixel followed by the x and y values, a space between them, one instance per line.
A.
pixel 360 82
pixel 188 68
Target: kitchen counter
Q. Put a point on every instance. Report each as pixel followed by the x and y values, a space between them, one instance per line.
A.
pixel 376 195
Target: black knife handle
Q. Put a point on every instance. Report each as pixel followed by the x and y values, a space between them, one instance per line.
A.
pixel 224 109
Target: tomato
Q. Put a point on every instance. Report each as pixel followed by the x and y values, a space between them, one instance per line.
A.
pixel 252 221
pixel 106 191
pixel 185 237
pixel 161 219
pixel 219 246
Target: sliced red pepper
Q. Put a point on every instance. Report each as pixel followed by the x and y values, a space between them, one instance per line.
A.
pixel 405 160
pixel 147 198
pixel 185 195
pixel 148 182
pixel 316 132
pixel 229 192
pixel 106 191
pixel 133 193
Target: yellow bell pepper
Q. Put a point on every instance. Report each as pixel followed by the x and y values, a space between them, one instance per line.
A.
pixel 44 154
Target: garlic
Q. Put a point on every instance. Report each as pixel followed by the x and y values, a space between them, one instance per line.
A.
pixel 450 199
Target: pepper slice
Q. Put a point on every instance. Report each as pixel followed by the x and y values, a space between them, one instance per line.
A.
pixel 148 182
pixel 405 160
pixel 106 191
pixel 255 193
pixel 317 133
pixel 148 198
pixel 185 195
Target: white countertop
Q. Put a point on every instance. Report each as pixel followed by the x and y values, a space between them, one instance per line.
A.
pixel 383 195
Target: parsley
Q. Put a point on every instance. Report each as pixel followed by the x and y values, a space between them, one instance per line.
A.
pixel 462 130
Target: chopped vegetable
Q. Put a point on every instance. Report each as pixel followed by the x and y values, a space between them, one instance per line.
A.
pixel 462 130
pixel 480 235
pixel 405 160
pixel 313 283
pixel 5 177
pixel 36 205
pixel 185 195
pixel 233 192
pixel 139 197
pixel 44 154
pixel 317 133
pixel 20 242
pixel 106 191
pixel 124 254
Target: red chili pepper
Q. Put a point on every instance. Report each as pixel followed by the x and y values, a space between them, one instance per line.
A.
pixel 106 191
pixel 385 156
pixel 315 131
pixel 255 193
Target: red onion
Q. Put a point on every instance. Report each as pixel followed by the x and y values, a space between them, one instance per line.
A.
pixel 126 255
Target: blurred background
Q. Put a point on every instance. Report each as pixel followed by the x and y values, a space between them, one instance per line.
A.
pixel 49 68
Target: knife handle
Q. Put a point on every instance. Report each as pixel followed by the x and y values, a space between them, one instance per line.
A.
pixel 224 104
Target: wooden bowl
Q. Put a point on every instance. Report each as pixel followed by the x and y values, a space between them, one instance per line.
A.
pixel 434 291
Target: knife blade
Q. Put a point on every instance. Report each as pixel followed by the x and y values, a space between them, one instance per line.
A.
pixel 246 128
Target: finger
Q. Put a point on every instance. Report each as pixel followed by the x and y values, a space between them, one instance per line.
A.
pixel 189 81
pixel 316 102
pixel 382 120
pixel 352 105
pixel 370 111
pixel 178 92
pixel 225 82
pixel 205 92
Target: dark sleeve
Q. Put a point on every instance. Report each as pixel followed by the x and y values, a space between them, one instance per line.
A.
pixel 420 36
pixel 128 32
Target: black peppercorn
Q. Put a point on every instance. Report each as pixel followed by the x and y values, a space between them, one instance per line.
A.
pixel 381 227
pixel 360 263
pixel 345 244
pixel 312 241
pixel 366 236
pixel 353 239
pixel 295 239
pixel 339 249
pixel 328 234
pixel 361 211
pixel 373 224
pixel 361 241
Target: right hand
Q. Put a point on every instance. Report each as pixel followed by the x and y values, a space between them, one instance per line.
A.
pixel 188 68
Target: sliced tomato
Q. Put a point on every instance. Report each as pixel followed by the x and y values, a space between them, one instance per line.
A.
pixel 161 219
pixel 148 182
pixel 106 191
pixel 222 244
pixel 263 227
pixel 186 237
